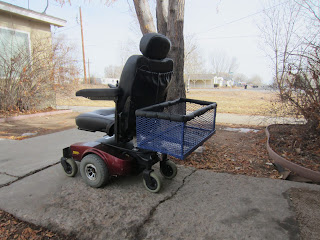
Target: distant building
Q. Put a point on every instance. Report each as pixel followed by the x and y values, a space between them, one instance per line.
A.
pixel 230 83
pixel 207 81
pixel 200 80
pixel 219 81
pixel 112 81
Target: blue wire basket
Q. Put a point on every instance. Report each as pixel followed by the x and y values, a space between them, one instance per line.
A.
pixel 175 127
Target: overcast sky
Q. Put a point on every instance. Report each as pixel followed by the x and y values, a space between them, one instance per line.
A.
pixel 227 26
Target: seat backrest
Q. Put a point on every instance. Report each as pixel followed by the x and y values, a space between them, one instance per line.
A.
pixel 144 81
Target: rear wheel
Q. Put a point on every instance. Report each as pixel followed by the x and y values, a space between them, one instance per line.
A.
pixel 94 171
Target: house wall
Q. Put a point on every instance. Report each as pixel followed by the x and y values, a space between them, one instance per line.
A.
pixel 201 84
pixel 217 82
pixel 37 30
pixel 39 39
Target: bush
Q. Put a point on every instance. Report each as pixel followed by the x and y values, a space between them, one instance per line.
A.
pixel 27 77
pixel 300 89
pixel 290 34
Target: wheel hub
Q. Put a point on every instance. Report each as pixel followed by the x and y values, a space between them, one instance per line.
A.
pixel 69 168
pixel 91 172
pixel 167 170
pixel 152 184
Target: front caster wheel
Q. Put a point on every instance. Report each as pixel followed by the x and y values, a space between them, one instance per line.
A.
pixel 94 171
pixel 71 167
pixel 168 169
pixel 153 184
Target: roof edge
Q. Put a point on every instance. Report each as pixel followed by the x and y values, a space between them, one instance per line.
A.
pixel 6 7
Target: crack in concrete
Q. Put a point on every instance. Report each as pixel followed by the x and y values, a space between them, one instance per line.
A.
pixel 154 208
pixel 26 175
pixel 10 175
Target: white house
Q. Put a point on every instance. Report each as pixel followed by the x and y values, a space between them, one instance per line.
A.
pixel 112 81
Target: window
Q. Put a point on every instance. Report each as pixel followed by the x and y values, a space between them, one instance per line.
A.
pixel 14 50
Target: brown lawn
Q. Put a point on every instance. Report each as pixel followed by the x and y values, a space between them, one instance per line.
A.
pixel 238 101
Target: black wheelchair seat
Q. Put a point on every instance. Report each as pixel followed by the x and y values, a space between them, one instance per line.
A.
pixel 99 120
pixel 143 82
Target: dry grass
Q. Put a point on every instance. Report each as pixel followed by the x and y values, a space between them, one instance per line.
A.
pixel 66 96
pixel 83 102
pixel 238 101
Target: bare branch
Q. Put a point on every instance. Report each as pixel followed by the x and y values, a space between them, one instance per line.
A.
pixel 162 16
pixel 144 16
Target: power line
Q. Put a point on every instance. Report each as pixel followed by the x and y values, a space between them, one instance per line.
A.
pixel 55 4
pixel 242 18
pixel 73 5
pixel 230 37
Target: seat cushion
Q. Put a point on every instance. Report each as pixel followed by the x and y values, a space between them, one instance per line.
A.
pixel 101 120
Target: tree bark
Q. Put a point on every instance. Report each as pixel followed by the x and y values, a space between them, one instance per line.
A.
pixel 144 16
pixel 162 16
pixel 175 34
pixel 170 20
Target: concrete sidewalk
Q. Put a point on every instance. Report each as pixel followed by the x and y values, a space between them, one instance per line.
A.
pixel 197 204
pixel 20 158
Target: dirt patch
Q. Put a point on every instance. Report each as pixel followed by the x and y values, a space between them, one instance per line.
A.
pixel 306 205
pixel 36 126
pixel 12 113
pixel 13 228
pixel 234 152
pixel 296 144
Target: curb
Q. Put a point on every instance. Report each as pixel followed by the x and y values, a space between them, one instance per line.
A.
pixel 302 171
pixel 15 118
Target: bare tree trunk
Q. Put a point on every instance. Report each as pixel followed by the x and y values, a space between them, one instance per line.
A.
pixel 170 20
pixel 175 34
pixel 162 16
pixel 144 16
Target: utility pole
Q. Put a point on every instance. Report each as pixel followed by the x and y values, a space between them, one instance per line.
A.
pixel 89 71
pixel 83 55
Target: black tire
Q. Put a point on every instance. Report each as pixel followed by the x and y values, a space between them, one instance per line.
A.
pixel 155 185
pixel 94 171
pixel 168 169
pixel 72 168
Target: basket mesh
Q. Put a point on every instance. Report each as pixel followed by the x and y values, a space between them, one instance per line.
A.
pixel 177 139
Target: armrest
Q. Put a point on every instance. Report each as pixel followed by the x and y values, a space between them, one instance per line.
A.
pixel 99 93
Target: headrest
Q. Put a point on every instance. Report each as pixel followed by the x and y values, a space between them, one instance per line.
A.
pixel 155 46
